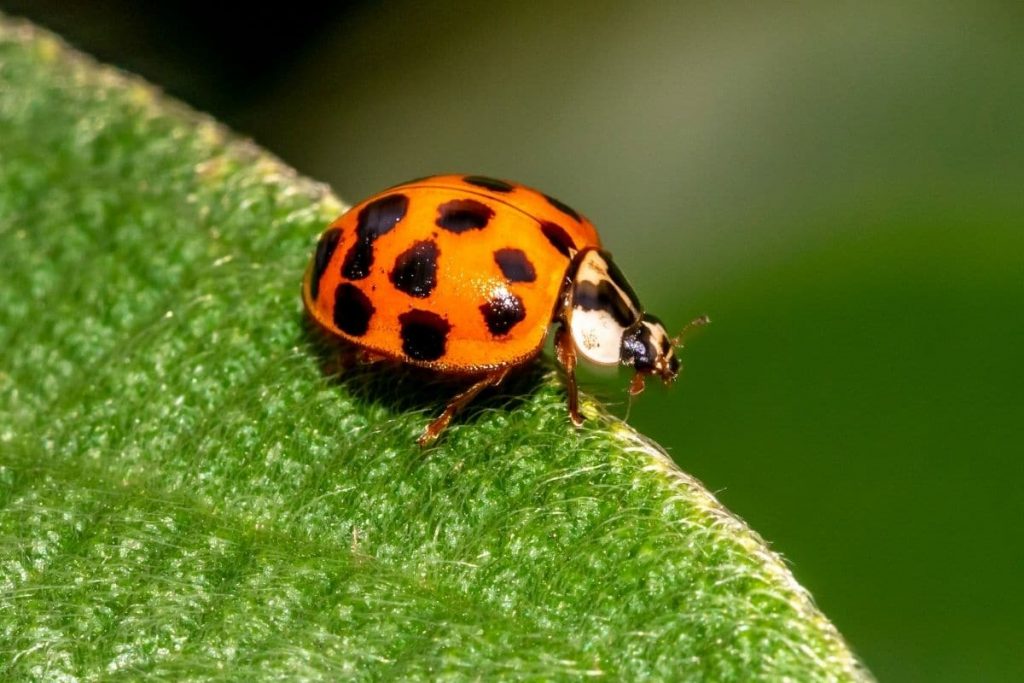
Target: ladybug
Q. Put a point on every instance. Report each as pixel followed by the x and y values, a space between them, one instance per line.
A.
pixel 464 274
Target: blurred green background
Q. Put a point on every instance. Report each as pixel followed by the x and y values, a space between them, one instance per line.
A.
pixel 839 185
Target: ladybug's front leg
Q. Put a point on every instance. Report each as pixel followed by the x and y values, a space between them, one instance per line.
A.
pixel 434 429
pixel 565 353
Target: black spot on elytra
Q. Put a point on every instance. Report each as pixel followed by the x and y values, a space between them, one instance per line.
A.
pixel 324 251
pixel 375 219
pixel 358 260
pixel 603 296
pixel 415 271
pixel 352 310
pixel 559 238
pixel 514 265
pixel 502 312
pixel 564 208
pixel 492 184
pixel 424 334
pixel 460 215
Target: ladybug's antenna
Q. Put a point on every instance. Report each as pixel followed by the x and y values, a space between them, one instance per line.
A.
pixel 696 322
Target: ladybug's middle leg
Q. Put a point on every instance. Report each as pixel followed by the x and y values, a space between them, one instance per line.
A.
pixel 565 353
pixel 346 356
pixel 434 429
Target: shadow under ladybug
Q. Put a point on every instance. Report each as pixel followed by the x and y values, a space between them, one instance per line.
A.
pixel 407 388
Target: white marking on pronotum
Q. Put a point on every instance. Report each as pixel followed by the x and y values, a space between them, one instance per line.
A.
pixel 596 332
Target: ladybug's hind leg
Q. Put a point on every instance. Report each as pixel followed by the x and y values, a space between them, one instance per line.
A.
pixel 565 353
pixel 434 429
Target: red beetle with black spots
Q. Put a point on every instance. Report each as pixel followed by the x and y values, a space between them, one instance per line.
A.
pixel 464 275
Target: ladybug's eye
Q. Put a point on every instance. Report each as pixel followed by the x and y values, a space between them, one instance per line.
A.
pixel 638 348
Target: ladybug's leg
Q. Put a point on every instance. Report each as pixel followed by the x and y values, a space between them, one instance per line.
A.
pixel 366 357
pixel 434 429
pixel 347 357
pixel 342 358
pixel 565 353
pixel 636 385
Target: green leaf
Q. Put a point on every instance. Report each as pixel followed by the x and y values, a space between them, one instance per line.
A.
pixel 187 491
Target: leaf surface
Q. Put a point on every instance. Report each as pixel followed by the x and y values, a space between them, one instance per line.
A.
pixel 188 489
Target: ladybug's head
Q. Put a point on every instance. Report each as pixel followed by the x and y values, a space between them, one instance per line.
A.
pixel 608 326
pixel 647 348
